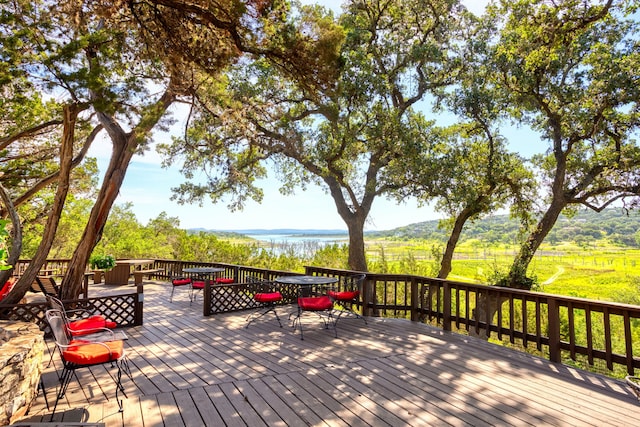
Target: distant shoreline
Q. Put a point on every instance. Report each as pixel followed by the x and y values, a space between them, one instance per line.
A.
pixel 278 231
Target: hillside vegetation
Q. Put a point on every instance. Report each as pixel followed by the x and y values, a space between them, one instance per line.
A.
pixel 614 225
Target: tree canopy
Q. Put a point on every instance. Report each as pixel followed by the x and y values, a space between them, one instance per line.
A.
pixel 569 70
pixel 341 126
pixel 114 67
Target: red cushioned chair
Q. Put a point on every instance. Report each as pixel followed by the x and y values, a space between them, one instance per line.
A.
pixel 176 282
pixel 6 288
pixel 81 353
pixel 320 305
pixel 266 296
pixel 346 295
pixel 224 280
pixel 196 285
pixel 81 321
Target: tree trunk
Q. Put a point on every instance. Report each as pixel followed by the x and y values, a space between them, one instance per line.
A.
pixel 70 114
pixel 124 146
pixel 486 304
pixel 357 258
pixel 354 215
pixel 517 275
pixel 454 237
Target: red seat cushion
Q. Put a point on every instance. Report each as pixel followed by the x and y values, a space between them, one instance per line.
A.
pixel 6 288
pixel 90 325
pixel 268 297
pixel 180 282
pixel 88 354
pixel 225 280
pixel 315 303
pixel 344 295
pixel 198 284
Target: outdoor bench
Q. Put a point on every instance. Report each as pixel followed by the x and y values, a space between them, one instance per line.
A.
pixel 138 274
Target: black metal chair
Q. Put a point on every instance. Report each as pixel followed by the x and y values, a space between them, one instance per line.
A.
pixel 177 282
pixel 79 321
pixel 319 304
pixel 265 294
pixel 346 295
pixel 83 353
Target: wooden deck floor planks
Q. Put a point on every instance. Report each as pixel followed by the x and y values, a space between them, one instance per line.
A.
pixel 191 371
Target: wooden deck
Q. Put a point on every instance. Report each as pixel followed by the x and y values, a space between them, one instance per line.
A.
pixel 191 370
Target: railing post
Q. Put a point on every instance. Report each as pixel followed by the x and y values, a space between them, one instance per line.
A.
pixel 446 306
pixel 367 293
pixel 206 304
pixel 415 300
pixel 553 315
pixel 139 305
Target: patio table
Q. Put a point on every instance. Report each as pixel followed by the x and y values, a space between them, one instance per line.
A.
pixel 306 283
pixel 203 272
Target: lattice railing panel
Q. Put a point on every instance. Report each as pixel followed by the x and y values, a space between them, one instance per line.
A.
pixel 237 296
pixel 118 308
pixel 33 312
pixel 227 298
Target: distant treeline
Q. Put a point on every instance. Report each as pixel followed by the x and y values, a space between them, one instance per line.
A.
pixel 614 225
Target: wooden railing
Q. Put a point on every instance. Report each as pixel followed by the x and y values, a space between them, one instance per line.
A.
pixel 597 333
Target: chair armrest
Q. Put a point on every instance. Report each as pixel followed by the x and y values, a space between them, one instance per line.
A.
pixel 78 312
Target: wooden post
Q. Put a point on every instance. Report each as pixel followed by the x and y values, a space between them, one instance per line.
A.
pixel 85 291
pixel 415 300
pixel 139 305
pixel 367 293
pixel 553 314
pixel 446 307
pixel 206 295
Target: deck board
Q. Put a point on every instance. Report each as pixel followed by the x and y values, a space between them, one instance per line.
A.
pixel 190 370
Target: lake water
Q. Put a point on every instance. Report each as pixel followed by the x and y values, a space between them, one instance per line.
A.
pixel 301 238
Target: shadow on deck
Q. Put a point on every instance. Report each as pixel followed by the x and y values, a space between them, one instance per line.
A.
pixel 191 370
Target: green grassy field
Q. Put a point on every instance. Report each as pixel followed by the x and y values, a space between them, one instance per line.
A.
pixel 602 271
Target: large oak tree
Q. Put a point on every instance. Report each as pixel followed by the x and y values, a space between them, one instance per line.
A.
pixel 339 122
pixel 569 71
pixel 119 66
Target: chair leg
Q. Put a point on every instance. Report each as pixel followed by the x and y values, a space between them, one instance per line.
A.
pixel 270 308
pixel 297 319
pixel 326 320
pixel 119 386
pixel 44 391
pixel 192 295
pixel 348 310
pixel 52 353
pixel 65 379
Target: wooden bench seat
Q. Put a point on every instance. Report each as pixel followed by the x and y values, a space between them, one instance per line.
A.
pixel 139 274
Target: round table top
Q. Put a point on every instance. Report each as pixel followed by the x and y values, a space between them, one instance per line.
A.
pixel 203 270
pixel 306 280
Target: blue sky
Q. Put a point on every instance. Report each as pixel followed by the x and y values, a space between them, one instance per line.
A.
pixel 148 187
